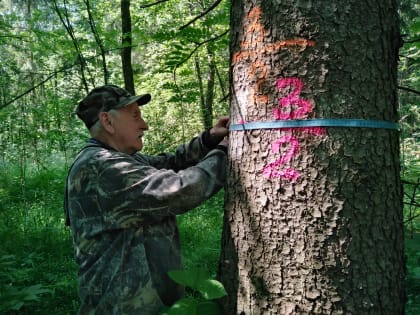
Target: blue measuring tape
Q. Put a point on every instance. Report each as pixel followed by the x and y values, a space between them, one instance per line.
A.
pixel 304 123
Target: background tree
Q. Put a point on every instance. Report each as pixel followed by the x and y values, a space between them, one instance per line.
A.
pixel 313 217
pixel 124 16
pixel 126 46
pixel 179 63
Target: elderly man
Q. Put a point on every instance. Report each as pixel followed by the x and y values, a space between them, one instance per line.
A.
pixel 121 205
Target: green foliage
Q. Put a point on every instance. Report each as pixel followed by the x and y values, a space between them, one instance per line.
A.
pixel 409 74
pixel 411 177
pixel 37 268
pixel 24 283
pixel 200 281
pixel 13 297
pixel 200 232
pixel 413 274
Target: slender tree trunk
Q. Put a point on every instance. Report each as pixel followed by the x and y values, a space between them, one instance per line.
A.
pixel 126 46
pixel 313 217
pixel 64 18
pixel 206 96
pixel 98 40
pixel 200 87
pixel 208 111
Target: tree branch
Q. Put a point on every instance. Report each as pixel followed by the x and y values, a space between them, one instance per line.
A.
pixel 36 86
pixel 143 6
pixel 12 36
pixel 411 41
pixel 412 217
pixel 199 45
pixel 50 76
pixel 214 5
pixel 409 90
pixel 65 20
pixel 98 40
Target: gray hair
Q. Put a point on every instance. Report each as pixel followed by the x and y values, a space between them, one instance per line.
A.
pixel 97 127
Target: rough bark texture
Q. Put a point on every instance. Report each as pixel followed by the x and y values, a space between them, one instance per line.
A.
pixel 320 231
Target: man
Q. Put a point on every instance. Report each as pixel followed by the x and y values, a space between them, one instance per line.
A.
pixel 121 205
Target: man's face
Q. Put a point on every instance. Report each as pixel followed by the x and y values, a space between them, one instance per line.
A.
pixel 129 128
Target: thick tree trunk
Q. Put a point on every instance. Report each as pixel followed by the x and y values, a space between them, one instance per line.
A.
pixel 313 217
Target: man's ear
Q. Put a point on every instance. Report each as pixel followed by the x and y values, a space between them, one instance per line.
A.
pixel 107 122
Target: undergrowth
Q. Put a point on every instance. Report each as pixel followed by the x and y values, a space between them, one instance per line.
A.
pixel 38 274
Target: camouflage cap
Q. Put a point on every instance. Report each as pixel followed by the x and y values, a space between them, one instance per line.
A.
pixel 105 98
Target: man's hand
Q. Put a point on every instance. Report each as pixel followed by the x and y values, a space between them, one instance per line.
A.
pixel 220 129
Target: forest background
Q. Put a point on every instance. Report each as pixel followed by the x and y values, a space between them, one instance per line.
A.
pixel 53 52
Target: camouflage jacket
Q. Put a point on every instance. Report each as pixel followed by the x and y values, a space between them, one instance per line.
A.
pixel 121 209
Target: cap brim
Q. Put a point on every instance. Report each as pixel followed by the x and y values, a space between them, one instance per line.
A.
pixel 143 99
pixel 140 99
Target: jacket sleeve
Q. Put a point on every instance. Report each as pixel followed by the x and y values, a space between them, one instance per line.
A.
pixel 122 190
pixel 185 155
pixel 132 192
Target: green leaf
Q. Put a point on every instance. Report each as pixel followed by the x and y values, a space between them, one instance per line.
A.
pixel 199 280
pixel 191 278
pixel 211 289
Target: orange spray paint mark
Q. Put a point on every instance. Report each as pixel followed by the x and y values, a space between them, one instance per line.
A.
pixel 292 106
pixel 272 48
pixel 255 33
pixel 258 70
pixel 253 46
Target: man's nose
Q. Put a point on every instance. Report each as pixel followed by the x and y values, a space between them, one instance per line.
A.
pixel 144 125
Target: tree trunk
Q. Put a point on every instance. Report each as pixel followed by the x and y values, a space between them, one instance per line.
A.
pixel 98 40
pixel 126 42
pixel 208 110
pixel 206 96
pixel 65 20
pixel 313 216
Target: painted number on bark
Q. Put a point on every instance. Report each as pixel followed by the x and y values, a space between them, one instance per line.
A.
pixel 291 106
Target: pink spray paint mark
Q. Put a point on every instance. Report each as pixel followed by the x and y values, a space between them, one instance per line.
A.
pixel 272 169
pixel 298 108
pixel 293 150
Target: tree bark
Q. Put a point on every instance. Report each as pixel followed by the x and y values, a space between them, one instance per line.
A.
pixel 208 113
pixel 126 42
pixel 313 216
